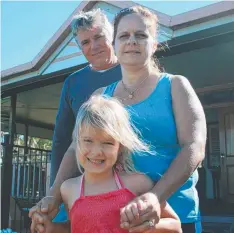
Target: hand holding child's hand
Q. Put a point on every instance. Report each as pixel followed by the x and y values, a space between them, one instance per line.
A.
pixel 131 213
pixel 47 205
pixel 148 210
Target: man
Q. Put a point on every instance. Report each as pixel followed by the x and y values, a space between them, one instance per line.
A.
pixel 93 34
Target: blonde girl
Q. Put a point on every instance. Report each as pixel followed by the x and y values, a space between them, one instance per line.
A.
pixel 105 140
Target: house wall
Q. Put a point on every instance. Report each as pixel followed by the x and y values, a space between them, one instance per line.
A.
pixel 204 67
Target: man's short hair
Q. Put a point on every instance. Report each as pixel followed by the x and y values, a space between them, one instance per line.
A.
pixel 86 20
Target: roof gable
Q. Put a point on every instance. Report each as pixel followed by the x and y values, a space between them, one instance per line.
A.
pixel 53 52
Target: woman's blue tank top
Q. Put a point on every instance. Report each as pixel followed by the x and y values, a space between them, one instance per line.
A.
pixel 154 118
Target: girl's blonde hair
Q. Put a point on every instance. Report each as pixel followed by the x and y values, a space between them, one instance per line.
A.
pixel 109 114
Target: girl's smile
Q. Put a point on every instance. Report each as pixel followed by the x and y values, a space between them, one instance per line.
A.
pixel 96 161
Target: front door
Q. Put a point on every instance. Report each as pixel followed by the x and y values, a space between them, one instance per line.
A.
pixel 226 121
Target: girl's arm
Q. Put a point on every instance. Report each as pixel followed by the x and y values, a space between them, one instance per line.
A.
pixel 69 191
pixel 61 227
pixel 169 222
pixel 51 227
pixel 42 223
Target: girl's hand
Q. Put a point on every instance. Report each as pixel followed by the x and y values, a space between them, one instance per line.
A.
pixel 41 223
pixel 130 213
pixel 149 210
pixel 37 224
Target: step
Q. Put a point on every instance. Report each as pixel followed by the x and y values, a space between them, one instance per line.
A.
pixel 218 224
pixel 218 219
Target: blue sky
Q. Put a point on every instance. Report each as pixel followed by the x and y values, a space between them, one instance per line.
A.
pixel 28 25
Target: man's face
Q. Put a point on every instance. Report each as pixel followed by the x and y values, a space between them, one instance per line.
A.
pixel 95 45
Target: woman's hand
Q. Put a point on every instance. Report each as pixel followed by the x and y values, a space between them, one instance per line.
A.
pixel 47 205
pixel 141 214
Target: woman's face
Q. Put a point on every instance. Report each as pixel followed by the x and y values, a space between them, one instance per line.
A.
pixel 134 42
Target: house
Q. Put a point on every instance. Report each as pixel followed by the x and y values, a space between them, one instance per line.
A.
pixel 198 44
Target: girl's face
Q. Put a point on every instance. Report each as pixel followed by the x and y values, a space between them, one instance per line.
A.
pixel 98 150
pixel 134 42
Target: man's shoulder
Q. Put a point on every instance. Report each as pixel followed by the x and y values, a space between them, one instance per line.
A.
pixel 75 75
pixel 88 70
pixel 86 75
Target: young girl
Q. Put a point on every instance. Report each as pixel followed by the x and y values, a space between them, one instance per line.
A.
pixel 104 141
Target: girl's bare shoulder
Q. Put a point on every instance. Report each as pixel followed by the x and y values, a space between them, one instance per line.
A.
pixel 70 191
pixel 98 91
pixel 70 184
pixel 136 182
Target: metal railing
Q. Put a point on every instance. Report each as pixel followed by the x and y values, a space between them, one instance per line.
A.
pixel 29 183
pixel 29 178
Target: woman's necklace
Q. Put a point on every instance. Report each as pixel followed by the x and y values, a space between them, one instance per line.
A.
pixel 131 93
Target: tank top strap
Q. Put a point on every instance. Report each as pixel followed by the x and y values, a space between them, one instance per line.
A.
pixel 118 180
pixel 109 90
pixel 82 186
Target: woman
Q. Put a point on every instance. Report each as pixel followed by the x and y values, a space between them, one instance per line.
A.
pixel 169 116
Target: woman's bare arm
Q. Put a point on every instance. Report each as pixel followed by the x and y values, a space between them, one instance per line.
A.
pixel 191 132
